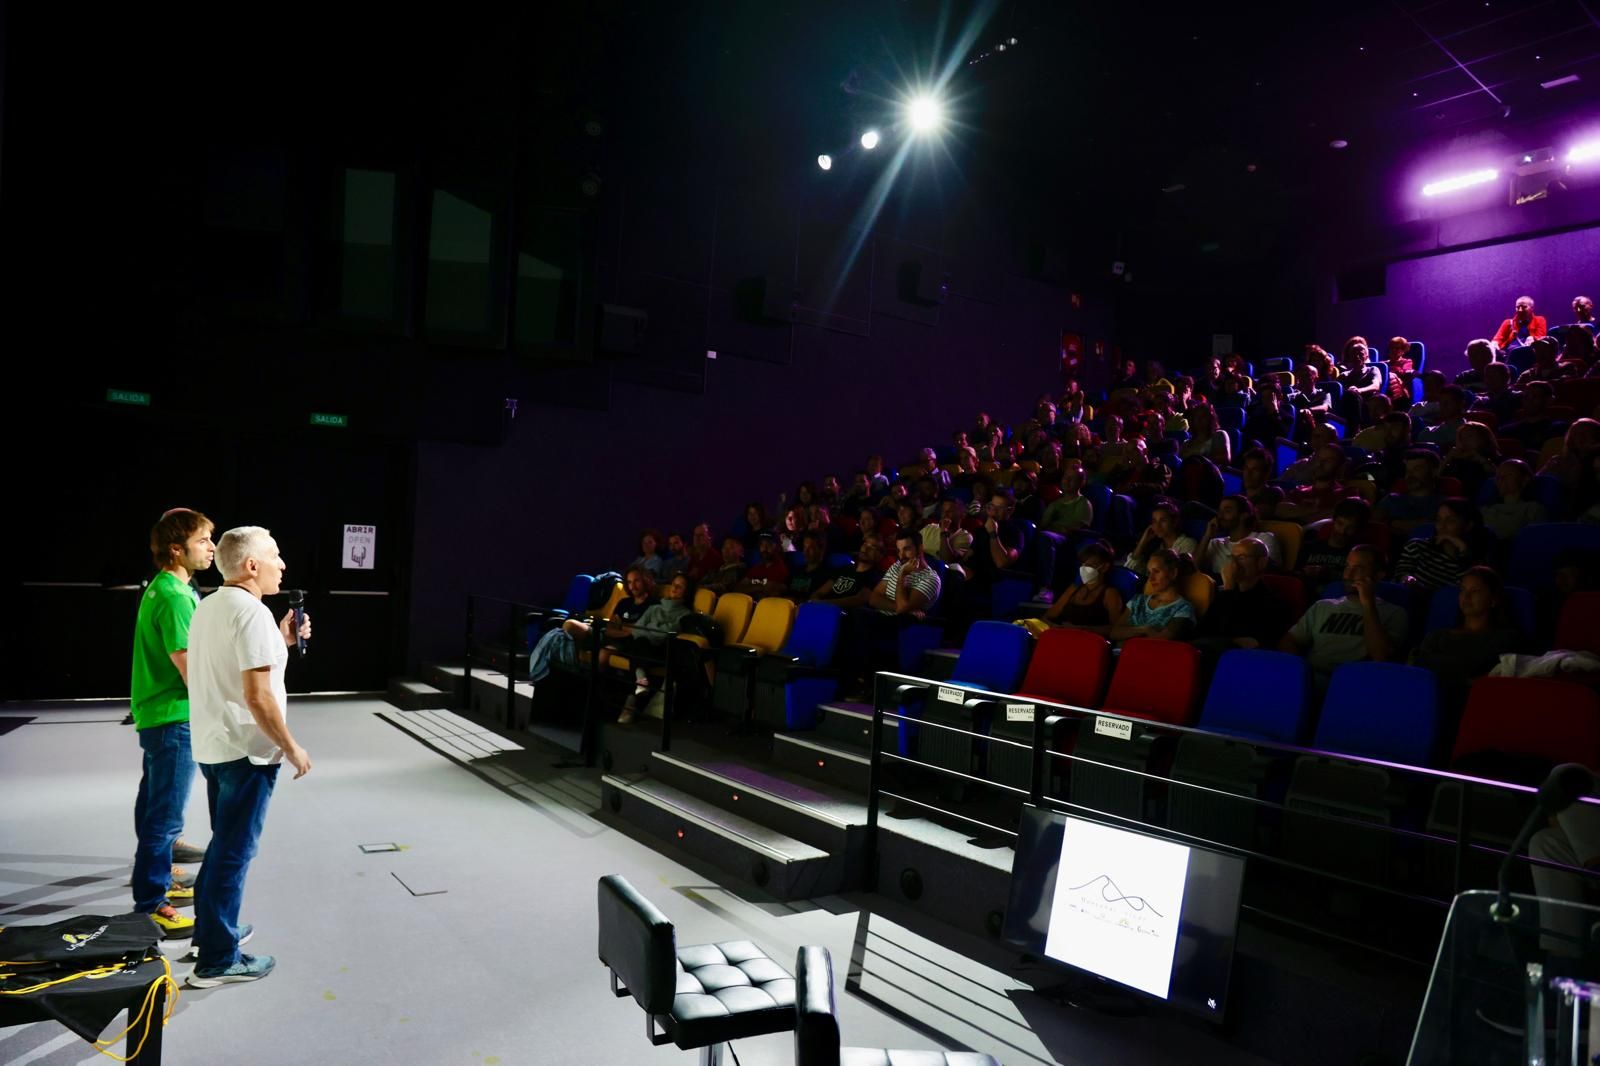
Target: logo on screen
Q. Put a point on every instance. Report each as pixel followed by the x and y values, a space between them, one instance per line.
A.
pixel 1112 894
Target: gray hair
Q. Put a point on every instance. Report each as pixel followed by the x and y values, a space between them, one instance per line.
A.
pixel 1256 546
pixel 238 546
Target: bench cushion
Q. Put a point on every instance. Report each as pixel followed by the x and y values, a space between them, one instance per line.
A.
pixel 729 991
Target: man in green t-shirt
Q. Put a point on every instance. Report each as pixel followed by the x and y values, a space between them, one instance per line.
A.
pixel 180 544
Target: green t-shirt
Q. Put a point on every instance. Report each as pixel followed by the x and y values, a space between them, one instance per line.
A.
pixel 159 695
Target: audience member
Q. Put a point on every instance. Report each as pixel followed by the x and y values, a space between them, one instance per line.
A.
pixel 947 539
pixel 1512 510
pixel 1457 543
pixel 1236 521
pixel 996 545
pixel 1532 423
pixel 1472 647
pixel 814 574
pixel 903 596
pixel 1165 532
pixel 1205 439
pixel 646 639
pixel 730 571
pixel 877 480
pixel 1548 364
pixel 649 558
pixel 1357 373
pixel 1572 462
pixel 1583 314
pixel 850 586
pixel 1092 603
pixel 1419 502
pixel 1314 501
pixel 769 576
pixel 1522 328
pixel 1497 396
pixel 1244 612
pixel 704 559
pixel 1160 611
pixel 1357 626
pixel 755 523
pixel 1446 419
pixel 1374 438
pixel 1326 547
pixel 1473 459
pixel 794 525
pixel 1480 353
pixel 1401 370
pixel 860 494
pixel 676 561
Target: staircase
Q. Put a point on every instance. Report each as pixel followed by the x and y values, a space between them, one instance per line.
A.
pixel 792 837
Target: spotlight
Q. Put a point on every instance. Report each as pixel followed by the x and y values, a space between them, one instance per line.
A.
pixel 825 162
pixel 1584 153
pixel 869 140
pixel 926 113
pixel 1460 181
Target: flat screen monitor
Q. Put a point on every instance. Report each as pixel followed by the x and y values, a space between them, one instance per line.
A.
pixel 1152 914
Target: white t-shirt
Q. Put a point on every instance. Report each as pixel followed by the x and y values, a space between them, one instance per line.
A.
pixel 1220 549
pixel 232 632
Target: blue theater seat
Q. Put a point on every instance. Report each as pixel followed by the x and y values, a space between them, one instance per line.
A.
pixel 1444 610
pixel 1535 548
pixel 993 658
pixel 1254 696
pixel 1381 711
pixel 791 684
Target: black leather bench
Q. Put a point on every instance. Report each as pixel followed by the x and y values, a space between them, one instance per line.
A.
pixel 816 1032
pixel 698 997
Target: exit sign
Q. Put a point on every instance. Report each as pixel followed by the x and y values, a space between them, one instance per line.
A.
pixel 135 399
pixel 318 418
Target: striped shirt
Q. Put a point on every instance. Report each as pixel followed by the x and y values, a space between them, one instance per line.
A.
pixel 925 581
pixel 1430 564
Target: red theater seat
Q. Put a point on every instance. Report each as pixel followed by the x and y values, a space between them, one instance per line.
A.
pixel 1578 628
pixel 1156 679
pixel 1535 717
pixel 1068 666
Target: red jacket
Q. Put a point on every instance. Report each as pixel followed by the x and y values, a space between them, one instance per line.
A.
pixel 1508 331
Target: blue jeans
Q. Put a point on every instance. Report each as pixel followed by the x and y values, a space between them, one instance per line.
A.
pixel 236 793
pixel 158 812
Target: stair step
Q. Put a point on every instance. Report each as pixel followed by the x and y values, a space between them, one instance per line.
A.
pixel 840 764
pixel 807 811
pixel 448 677
pixel 409 695
pixel 847 722
pixel 785 867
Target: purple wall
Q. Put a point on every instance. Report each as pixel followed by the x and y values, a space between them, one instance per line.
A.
pixel 583 483
pixel 1448 299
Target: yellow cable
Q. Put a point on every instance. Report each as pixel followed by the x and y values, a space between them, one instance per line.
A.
pixel 145 1013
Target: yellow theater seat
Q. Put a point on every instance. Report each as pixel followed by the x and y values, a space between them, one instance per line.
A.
pixel 770 625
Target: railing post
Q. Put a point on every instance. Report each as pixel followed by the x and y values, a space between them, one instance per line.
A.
pixel 1463 834
pixel 466 673
pixel 874 783
pixel 669 695
pixel 511 667
pixel 1041 763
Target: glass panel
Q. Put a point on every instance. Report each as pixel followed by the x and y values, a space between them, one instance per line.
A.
pixel 548 270
pixel 367 261
pixel 460 243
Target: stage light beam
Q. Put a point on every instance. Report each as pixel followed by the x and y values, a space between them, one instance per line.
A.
pixel 869 140
pixel 1460 181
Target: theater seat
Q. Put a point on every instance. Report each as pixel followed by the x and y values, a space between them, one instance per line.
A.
pixel 1254 696
pixel 1290 536
pixel 1539 718
pixel 993 658
pixel 1068 666
pixel 790 684
pixel 1154 679
pixel 1536 546
pixel 700 996
pixel 1291 590
pixel 1198 589
pixel 1578 628
pixel 736 661
pixel 1444 610
pixel 1379 711
pixel 705 601
pixel 816 1030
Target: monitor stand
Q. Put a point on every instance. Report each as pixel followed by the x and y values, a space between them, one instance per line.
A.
pixel 1085 991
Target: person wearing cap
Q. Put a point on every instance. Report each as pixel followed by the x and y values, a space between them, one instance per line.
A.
pixel 770 576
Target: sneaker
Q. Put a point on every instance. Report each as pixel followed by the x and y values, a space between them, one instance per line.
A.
pixel 183 877
pixel 626 717
pixel 177 891
pixel 248 968
pixel 174 926
pixel 183 851
pixel 246 931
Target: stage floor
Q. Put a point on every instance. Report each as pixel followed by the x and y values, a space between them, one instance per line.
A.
pixel 475 943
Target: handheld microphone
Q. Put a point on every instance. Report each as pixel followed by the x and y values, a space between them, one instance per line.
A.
pixel 297 600
pixel 1559 791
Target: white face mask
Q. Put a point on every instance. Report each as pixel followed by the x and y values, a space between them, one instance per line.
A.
pixel 1088 574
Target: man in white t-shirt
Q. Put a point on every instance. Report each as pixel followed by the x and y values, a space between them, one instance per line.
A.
pixel 239 734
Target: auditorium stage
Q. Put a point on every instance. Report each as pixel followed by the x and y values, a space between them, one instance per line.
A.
pixel 475 943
